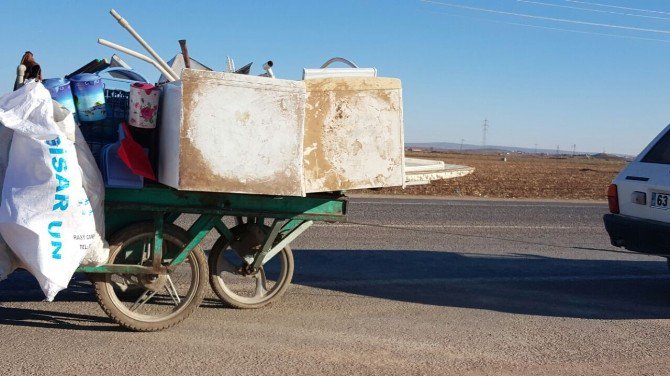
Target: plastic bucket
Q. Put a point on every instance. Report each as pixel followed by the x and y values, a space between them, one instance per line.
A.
pixel 60 91
pixel 89 96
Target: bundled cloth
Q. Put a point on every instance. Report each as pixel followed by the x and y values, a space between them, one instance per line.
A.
pixel 51 208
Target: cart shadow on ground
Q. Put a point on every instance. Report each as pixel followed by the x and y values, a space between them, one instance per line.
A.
pixel 21 286
pixel 519 283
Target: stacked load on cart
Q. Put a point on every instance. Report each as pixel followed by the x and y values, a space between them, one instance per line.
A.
pixel 247 156
pixel 225 132
pixel 337 129
pixel 196 130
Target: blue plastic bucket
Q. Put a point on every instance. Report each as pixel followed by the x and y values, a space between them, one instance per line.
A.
pixel 60 91
pixel 89 96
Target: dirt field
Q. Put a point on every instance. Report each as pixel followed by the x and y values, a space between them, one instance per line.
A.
pixel 521 176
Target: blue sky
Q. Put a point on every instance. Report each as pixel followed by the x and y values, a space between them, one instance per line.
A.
pixel 459 66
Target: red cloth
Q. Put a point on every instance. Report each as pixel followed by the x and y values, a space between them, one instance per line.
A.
pixel 134 156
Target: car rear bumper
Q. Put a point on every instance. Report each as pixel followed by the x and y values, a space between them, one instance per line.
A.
pixel 638 235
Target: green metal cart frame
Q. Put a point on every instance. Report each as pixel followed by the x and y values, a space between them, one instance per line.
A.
pixel 147 251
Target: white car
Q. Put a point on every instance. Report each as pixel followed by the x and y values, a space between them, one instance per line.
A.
pixel 639 201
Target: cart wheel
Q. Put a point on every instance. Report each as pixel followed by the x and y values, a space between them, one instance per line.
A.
pixel 146 302
pixel 239 289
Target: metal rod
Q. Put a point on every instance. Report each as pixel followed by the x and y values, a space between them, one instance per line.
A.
pixel 321 216
pixel 158 241
pixel 287 239
pixel 268 69
pixel 171 217
pixel 144 44
pixel 198 231
pixel 184 53
pixel 269 240
pixel 223 230
pixel 137 55
pixel 203 222
pixel 341 60
pixel 122 269
pixel 174 289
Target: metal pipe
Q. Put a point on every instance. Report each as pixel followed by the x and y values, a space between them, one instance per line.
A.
pixel 286 240
pixel 268 69
pixel 144 44
pixel 20 74
pixel 230 65
pixel 137 55
pixel 184 53
pixel 341 60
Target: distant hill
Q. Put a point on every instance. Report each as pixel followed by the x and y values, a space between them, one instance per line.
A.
pixel 452 146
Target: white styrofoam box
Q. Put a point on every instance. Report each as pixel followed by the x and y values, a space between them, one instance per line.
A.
pixel 353 134
pixel 224 132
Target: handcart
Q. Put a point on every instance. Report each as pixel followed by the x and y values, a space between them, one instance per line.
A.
pixel 157 271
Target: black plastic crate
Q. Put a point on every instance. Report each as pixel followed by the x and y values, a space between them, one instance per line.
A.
pixel 103 132
pixel 117 102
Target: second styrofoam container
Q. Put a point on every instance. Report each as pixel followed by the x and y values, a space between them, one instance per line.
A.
pixel 353 134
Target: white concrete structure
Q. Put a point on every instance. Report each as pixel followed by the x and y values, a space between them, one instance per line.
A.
pixel 423 171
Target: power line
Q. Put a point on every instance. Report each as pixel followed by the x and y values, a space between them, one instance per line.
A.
pixel 555 28
pixel 485 130
pixel 617 7
pixel 547 18
pixel 592 10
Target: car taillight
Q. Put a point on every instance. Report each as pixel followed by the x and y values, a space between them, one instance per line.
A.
pixel 613 199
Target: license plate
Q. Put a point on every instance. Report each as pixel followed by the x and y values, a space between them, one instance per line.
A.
pixel 659 200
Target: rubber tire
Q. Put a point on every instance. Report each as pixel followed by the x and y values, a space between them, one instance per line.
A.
pixel 196 256
pixel 222 244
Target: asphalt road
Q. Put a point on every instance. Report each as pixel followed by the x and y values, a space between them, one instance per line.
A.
pixel 454 287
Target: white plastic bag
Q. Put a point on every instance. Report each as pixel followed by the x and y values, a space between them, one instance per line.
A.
pixel 45 216
pixel 98 252
pixel 5 143
pixel 8 262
